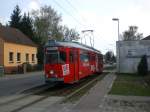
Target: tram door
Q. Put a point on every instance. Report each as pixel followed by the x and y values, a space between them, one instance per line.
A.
pixel 74 61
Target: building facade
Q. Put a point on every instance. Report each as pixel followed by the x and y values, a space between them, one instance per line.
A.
pixel 15 50
pixel 129 54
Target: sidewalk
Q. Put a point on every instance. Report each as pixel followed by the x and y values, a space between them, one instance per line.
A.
pixel 91 101
pixel 17 76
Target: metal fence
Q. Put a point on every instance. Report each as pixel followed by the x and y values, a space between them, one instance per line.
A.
pixel 1 70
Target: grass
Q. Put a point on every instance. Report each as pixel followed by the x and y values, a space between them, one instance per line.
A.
pixel 130 84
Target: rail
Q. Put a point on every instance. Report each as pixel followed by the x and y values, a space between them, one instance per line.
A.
pixel 66 91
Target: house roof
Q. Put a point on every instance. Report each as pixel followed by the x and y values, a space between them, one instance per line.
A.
pixel 14 35
pixel 146 38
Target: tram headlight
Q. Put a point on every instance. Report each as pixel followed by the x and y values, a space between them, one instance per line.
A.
pixel 51 72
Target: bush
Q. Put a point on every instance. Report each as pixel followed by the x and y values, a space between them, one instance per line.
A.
pixel 143 66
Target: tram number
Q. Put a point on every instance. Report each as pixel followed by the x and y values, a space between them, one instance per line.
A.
pixel 65 69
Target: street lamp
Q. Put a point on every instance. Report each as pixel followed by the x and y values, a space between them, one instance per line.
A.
pixel 117 50
pixel 116 19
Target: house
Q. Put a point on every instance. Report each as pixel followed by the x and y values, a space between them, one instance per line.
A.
pixel 16 49
pixel 146 38
pixel 129 54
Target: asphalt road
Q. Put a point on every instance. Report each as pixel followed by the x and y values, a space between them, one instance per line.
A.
pixel 10 85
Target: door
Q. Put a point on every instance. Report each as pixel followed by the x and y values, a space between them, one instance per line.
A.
pixel 74 64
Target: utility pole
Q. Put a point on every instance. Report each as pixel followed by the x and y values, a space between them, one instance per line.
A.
pixel 88 33
pixel 118 45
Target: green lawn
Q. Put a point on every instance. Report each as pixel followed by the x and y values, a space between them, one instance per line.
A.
pixel 130 84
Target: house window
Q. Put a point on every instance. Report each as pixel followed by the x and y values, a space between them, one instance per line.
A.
pixel 33 57
pixel 11 56
pixel 18 57
pixel 27 57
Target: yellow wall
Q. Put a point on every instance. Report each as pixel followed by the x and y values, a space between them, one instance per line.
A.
pixel 1 52
pixel 15 48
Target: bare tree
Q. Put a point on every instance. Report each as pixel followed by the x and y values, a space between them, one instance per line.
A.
pixel 70 34
pixel 132 34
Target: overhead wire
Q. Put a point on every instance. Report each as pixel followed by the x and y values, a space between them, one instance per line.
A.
pixel 75 9
pixel 67 12
pixel 85 21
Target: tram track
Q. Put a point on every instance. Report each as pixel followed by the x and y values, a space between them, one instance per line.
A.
pixel 25 94
pixel 66 91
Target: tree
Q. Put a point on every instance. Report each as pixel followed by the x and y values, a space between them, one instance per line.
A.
pixel 108 56
pixel 15 18
pixel 1 25
pixel 113 58
pixel 70 34
pixel 47 24
pixel 132 34
pixel 26 26
pixel 143 66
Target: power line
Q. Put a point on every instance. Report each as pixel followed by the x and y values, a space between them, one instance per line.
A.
pixel 68 13
pixel 75 9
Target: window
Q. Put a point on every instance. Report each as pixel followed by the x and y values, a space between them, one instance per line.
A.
pixel 11 56
pixel 51 57
pixel 62 57
pixel 18 57
pixel 84 57
pixel 27 57
pixel 33 57
pixel 55 57
pixel 92 58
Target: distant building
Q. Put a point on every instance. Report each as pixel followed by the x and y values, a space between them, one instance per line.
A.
pixel 129 54
pixel 15 49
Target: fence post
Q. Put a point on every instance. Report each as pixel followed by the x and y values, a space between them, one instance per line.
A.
pixel 1 71
pixel 24 68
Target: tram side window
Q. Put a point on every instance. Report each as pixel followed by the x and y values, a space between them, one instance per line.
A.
pixel 84 57
pixel 71 57
pixel 62 56
pixel 101 58
pixel 92 58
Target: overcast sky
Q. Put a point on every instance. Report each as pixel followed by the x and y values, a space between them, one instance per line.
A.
pixel 91 15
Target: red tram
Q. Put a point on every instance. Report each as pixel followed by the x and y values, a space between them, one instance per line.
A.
pixel 70 61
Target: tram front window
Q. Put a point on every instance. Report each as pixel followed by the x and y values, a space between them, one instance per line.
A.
pixel 52 57
pixel 55 57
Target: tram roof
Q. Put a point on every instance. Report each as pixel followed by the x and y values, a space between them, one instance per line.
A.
pixel 52 43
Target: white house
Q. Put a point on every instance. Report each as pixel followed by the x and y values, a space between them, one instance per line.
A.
pixel 129 54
